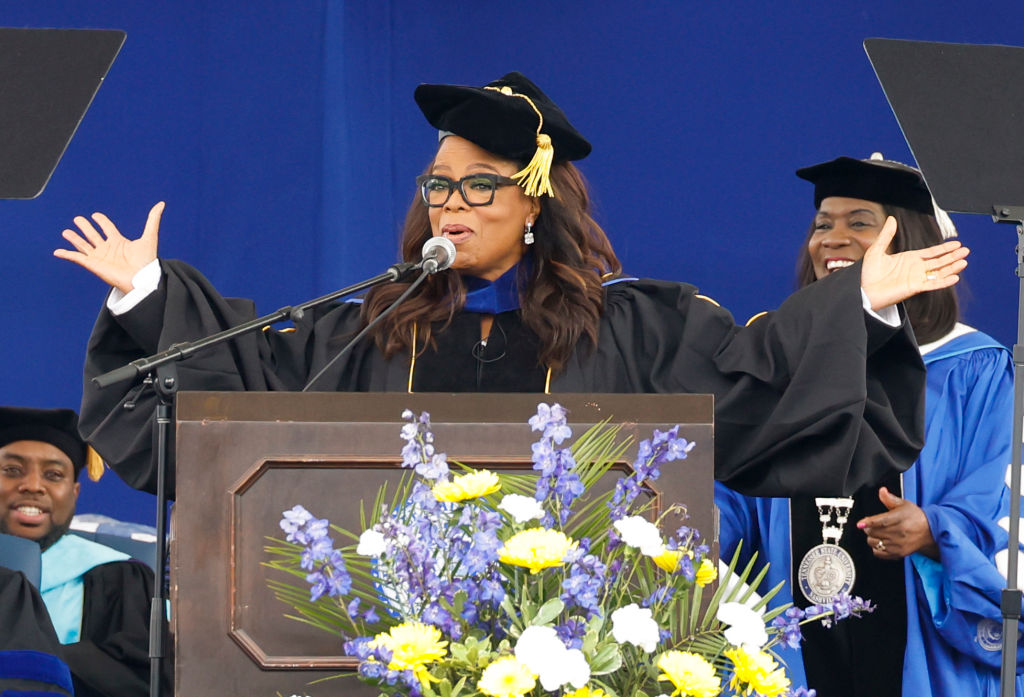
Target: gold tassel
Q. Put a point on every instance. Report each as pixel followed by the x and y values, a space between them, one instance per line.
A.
pixel 93 464
pixel 535 178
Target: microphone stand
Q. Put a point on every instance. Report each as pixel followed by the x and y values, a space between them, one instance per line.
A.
pixel 160 371
pixel 1010 602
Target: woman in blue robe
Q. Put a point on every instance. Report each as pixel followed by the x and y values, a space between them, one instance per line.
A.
pixel 923 544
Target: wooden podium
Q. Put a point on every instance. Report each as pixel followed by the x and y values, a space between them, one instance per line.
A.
pixel 244 458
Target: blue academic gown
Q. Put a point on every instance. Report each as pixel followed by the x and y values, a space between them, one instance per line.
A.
pixel 953 618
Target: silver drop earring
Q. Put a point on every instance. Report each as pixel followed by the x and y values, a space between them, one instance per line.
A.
pixel 528 235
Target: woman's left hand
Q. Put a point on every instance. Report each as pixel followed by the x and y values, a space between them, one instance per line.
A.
pixel 891 278
pixel 900 531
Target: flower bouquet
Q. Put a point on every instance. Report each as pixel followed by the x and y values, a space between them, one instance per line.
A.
pixel 465 582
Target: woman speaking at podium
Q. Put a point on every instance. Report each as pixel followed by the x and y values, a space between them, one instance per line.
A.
pixel 823 395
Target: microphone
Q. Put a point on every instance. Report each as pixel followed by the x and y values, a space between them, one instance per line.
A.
pixel 438 254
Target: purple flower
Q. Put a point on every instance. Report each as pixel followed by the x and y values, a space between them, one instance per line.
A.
pixel 418 451
pixel 435 468
pixel 660 596
pixel 359 647
pixel 571 633
pixel 371 670
pixel 802 692
pixel 294 520
pixel 790 621
pixel 328 575
pixel 552 421
pixel 662 447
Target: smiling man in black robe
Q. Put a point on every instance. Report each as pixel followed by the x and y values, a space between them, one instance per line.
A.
pixel 96 598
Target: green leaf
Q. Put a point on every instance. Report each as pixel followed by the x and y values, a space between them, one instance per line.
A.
pixel 607 660
pixel 548 612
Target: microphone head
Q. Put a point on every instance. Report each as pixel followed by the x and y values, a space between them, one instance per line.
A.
pixel 441 250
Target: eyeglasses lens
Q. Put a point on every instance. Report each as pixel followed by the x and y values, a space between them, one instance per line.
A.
pixel 476 190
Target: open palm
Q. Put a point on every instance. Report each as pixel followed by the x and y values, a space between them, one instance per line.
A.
pixel 109 254
pixel 891 278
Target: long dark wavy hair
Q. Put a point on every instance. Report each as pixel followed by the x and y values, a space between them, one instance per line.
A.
pixel 561 298
pixel 932 314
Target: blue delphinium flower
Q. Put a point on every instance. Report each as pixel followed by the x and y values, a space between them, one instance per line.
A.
pixel 359 647
pixel 660 596
pixel 418 452
pixel 326 565
pixel 552 421
pixel 662 447
pixel 790 621
pixel 558 481
pixel 293 523
pixel 587 580
pixel 802 692
pixel 571 633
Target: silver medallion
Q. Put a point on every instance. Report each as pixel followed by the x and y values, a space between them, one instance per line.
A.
pixel 825 572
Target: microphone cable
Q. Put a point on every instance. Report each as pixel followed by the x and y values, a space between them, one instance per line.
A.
pixel 345 349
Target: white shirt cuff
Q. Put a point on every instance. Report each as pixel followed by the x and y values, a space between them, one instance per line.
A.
pixel 144 282
pixel 888 314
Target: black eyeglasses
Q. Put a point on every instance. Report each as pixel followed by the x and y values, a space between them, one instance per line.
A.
pixel 476 189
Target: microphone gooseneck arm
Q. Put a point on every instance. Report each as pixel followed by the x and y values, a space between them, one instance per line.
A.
pixel 183 350
pixel 376 320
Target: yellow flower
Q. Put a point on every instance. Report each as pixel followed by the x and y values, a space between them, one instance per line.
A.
pixel 758 671
pixel 668 559
pixel 467 486
pixel 706 573
pixel 691 674
pixel 412 646
pixel 587 692
pixel 506 677
pixel 536 549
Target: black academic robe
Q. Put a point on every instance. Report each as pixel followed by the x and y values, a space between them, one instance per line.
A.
pixel 816 397
pixel 111 659
pixel 25 627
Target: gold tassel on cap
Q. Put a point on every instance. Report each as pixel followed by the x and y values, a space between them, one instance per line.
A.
pixel 535 178
pixel 93 464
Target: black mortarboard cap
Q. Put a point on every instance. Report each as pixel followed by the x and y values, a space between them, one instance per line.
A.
pixel 881 181
pixel 58 427
pixel 510 117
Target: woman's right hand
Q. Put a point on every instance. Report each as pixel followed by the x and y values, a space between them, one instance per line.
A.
pixel 110 255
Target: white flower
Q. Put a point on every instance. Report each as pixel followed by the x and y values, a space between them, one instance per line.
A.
pixel 371 543
pixel 745 625
pixel 521 508
pixel 635 625
pixel 535 646
pixel 641 533
pixel 572 668
pixel 540 650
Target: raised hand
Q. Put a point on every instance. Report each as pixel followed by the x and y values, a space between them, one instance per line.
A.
pixel 900 531
pixel 890 278
pixel 110 255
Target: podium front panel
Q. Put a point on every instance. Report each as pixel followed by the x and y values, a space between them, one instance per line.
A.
pixel 244 458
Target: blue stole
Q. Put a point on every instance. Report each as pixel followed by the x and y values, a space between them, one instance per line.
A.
pixel 493 297
pixel 61 584
pixel 502 294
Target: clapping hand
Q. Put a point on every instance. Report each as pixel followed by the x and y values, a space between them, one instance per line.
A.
pixel 109 254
